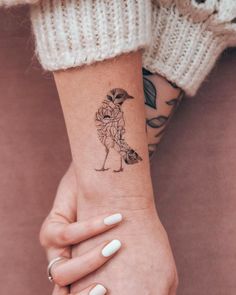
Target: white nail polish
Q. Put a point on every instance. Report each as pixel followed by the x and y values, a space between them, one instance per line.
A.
pixel 113 219
pixel 98 290
pixel 111 248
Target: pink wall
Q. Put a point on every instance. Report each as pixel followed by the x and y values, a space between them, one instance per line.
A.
pixel 193 173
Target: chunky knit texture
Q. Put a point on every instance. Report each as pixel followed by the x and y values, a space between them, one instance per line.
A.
pixel 72 33
pixel 187 38
pixel 182 38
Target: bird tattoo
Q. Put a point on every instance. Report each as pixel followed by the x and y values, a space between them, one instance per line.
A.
pixel 110 125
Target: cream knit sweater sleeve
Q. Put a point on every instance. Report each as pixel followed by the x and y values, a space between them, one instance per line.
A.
pixel 181 39
pixel 72 33
pixel 187 38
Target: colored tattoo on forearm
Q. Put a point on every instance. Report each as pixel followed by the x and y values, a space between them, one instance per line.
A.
pixel 159 121
pixel 110 125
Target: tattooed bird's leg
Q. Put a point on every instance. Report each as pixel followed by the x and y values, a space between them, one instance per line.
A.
pixel 104 162
pixel 121 168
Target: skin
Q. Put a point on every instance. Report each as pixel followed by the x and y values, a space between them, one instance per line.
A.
pixel 60 231
pixel 145 243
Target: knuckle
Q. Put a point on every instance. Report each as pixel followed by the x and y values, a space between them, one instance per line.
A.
pixel 171 276
pixel 65 236
pixel 172 280
pixel 58 276
pixel 43 237
pixel 175 283
pixel 167 281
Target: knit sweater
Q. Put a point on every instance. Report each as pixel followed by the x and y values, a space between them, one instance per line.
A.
pixel 181 39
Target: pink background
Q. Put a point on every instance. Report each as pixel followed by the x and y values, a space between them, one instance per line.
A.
pixel 193 172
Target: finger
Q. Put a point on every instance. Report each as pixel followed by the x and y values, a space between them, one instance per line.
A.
pixel 60 290
pixel 93 290
pixel 59 234
pixel 68 271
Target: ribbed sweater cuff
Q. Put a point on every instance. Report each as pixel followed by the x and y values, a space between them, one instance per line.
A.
pixel 72 33
pixel 182 50
pixel 9 3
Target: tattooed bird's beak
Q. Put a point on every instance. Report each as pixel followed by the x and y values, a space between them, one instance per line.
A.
pixel 129 96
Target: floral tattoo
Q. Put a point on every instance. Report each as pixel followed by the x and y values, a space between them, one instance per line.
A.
pixel 110 125
pixel 160 121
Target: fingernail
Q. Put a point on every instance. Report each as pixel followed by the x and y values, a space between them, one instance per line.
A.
pixel 113 219
pixel 111 248
pixel 98 290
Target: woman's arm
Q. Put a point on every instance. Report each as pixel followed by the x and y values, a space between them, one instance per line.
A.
pixel 82 92
pixel 117 129
pixel 161 100
pixel 60 231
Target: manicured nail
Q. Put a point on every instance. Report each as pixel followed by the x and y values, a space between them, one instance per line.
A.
pixel 111 248
pixel 98 290
pixel 113 219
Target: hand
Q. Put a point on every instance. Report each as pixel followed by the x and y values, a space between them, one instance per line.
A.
pixel 60 231
pixel 145 265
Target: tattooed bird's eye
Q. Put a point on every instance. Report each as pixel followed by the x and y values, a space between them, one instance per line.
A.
pixel 119 96
pixel 109 97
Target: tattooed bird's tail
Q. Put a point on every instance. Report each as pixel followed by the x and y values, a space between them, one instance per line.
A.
pixel 131 157
pixel 128 154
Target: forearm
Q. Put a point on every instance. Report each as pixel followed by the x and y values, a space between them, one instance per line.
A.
pixel 82 91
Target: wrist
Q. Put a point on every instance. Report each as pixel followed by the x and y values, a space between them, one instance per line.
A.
pixel 97 193
pixel 116 203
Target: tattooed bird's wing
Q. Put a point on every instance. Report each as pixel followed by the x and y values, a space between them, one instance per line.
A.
pixel 120 145
pixel 118 133
pixel 110 123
